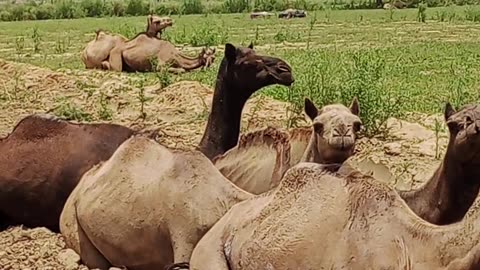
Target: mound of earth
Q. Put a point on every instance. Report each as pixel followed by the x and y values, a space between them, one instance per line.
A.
pixel 406 158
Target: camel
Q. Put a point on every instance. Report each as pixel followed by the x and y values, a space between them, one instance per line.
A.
pixel 96 53
pixel 260 14
pixel 147 53
pixel 446 197
pixel 42 160
pixel 292 13
pixel 315 220
pixel 232 90
pixel 143 182
pixel 250 165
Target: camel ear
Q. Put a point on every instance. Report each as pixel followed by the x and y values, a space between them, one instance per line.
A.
pixel 214 50
pixel 355 106
pixel 251 45
pixel 310 109
pixel 230 52
pixel 149 19
pixel 449 111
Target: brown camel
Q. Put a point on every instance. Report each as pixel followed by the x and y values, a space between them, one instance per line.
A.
pixel 454 186
pixel 451 191
pixel 96 53
pixel 153 194
pixel 250 165
pixel 43 159
pixel 314 220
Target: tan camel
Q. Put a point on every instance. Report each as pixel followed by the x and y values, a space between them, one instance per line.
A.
pixel 43 159
pixel 147 53
pixel 314 220
pixel 250 165
pixel 96 53
pixel 159 190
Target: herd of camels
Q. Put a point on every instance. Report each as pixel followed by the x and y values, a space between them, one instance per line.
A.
pixel 268 199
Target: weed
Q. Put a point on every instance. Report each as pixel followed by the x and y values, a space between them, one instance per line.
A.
pixel 104 112
pixel 422 12
pixel 36 40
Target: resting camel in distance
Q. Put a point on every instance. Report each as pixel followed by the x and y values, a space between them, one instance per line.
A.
pixel 148 53
pixel 251 164
pixel 146 207
pixel 96 53
pixel 260 14
pixel 315 220
pixel 43 159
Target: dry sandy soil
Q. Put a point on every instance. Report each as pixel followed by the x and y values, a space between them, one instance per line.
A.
pixel 180 110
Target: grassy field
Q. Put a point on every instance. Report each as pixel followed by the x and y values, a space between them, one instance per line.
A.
pixel 393 63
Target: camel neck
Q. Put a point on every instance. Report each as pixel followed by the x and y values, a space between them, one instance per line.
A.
pixel 188 63
pixel 223 127
pixel 447 195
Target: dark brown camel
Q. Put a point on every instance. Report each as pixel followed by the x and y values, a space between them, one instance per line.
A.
pixel 42 161
pixel 454 186
pixel 232 90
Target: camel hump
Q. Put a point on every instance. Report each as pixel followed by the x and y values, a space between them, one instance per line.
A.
pixel 259 160
pixel 38 126
pixel 299 176
pixel 269 136
pixel 301 134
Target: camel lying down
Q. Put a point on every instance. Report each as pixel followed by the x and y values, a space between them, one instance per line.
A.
pixel 97 52
pixel 315 220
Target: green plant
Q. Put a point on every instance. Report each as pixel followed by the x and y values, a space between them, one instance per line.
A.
pixel 422 12
pixel 36 40
pixel 104 112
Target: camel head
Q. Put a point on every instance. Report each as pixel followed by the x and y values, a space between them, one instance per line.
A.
pixel 335 129
pixel 156 24
pixel 464 129
pixel 207 56
pixel 251 71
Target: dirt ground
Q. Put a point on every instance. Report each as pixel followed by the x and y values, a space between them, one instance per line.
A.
pixel 406 158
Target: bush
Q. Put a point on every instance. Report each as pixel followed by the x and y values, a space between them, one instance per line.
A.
pixel 137 7
pixel 236 6
pixel 93 8
pixel 192 7
pixel 5 16
pixel 67 9
pixel 45 12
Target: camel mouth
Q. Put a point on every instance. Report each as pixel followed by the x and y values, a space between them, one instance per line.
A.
pixel 283 75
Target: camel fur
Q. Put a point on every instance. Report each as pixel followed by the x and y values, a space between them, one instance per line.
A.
pixel 315 220
pixel 159 193
pixel 43 159
pixel 250 165
pixel 96 53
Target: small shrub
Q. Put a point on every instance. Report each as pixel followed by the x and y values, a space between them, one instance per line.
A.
pixel 422 12
pixel 136 8
pixel 236 6
pixel 192 7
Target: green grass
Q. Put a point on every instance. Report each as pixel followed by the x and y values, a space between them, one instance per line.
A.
pixel 392 62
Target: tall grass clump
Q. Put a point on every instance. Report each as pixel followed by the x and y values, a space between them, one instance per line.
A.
pixel 236 6
pixel 192 7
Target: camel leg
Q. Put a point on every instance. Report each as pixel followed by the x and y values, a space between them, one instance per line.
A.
pixel 182 248
pixel 106 65
pixel 90 255
pixel 115 60
pixel 176 70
